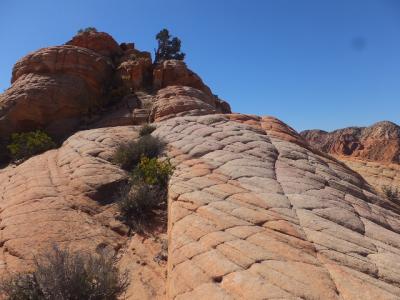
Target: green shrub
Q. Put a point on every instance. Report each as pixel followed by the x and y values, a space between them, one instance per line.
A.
pixel 129 154
pixel 87 29
pixel 391 193
pixel 26 144
pixel 145 193
pixel 65 275
pixel 153 171
pixel 146 129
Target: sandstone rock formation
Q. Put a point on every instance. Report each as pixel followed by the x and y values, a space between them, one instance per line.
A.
pixel 65 197
pixel 253 214
pixel 52 86
pixel 57 88
pixel 174 101
pixel 379 142
pixel 99 42
pixel 373 151
pixel 175 72
pixel 254 211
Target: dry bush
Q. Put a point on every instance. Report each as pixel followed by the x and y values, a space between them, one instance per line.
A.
pixel 129 154
pixel 65 275
pixel 391 193
pixel 146 129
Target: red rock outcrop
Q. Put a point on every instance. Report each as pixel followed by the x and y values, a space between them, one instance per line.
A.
pixel 135 69
pixel 373 151
pixel 379 142
pixel 99 42
pixel 58 88
pixel 175 101
pixel 52 87
pixel 175 72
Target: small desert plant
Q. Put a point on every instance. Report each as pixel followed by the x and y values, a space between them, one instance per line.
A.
pixel 391 193
pixel 137 204
pixel 146 129
pixel 26 144
pixel 146 192
pixel 129 154
pixel 65 275
pixel 153 171
pixel 87 29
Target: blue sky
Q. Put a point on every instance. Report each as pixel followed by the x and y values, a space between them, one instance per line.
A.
pixel 311 63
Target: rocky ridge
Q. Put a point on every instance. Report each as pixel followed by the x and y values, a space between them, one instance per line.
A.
pixel 372 151
pixel 254 211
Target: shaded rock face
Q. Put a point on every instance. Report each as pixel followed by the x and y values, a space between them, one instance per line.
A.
pixel 379 142
pixel 135 69
pixel 53 86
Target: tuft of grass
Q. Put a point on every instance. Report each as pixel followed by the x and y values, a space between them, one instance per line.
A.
pixel 392 194
pixel 129 154
pixel 146 129
pixel 65 275
pixel 26 144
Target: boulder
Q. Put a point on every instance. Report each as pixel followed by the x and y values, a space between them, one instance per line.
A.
pixel 181 101
pixel 55 84
pixel 100 42
pixel 175 72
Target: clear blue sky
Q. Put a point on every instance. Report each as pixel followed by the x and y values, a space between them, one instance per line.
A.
pixel 313 64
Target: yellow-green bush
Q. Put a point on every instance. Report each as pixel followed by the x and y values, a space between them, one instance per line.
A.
pixel 145 193
pixel 153 171
pixel 26 144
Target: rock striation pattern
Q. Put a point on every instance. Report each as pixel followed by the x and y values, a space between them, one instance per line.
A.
pixel 254 215
pixel 65 197
pixel 53 86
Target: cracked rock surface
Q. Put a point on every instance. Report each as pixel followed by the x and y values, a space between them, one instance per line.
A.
pixel 253 213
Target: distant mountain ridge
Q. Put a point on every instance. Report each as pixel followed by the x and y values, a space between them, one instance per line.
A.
pixel 379 142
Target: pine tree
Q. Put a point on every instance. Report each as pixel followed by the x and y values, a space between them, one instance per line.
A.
pixel 168 47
